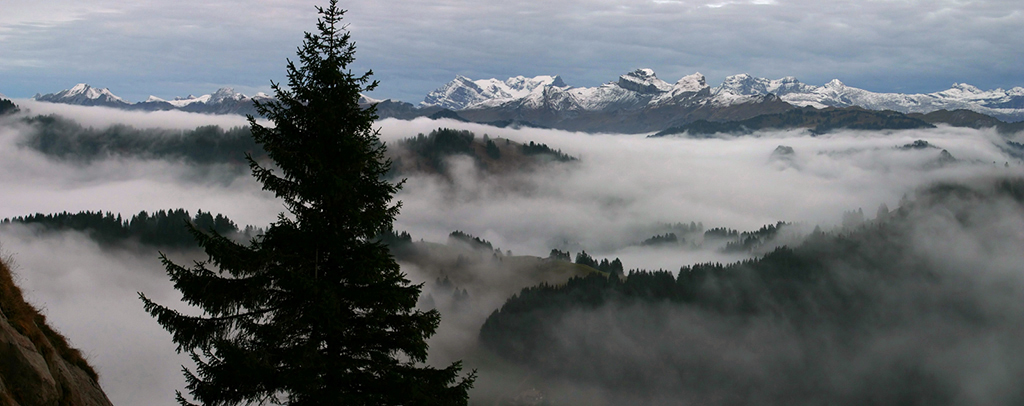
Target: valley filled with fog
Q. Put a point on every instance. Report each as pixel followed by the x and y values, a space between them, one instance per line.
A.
pixel 620 191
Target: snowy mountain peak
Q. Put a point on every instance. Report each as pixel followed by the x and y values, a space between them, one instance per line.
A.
pixel 226 93
pixel 835 84
pixel 363 99
pixel 691 83
pixel 153 99
pixel 643 81
pixel 744 84
pixel 83 94
pixel 78 89
pixel 966 88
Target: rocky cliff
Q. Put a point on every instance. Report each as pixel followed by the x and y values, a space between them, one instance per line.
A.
pixel 37 366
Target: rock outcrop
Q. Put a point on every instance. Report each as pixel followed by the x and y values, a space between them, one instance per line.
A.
pixel 37 366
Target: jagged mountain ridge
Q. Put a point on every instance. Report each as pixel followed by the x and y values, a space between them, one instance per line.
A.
pixel 223 101
pixel 642 89
pixel 463 92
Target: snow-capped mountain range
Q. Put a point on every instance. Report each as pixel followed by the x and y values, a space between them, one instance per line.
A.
pixel 637 102
pixel 223 101
pixel 642 89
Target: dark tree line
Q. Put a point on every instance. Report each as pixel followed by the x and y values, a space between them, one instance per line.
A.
pixel 559 255
pixel 612 268
pixel 749 240
pixel 666 239
pixel 721 233
pixel 544 150
pixel 162 228
pixel 476 243
pixel 64 139
pixel 7 107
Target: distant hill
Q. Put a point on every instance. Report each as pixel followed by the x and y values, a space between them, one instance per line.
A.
pixel 65 139
pixel 430 153
pixel 818 121
pixel 970 119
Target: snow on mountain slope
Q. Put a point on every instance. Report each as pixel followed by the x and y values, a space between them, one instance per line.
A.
pixel 633 90
pixel 997 103
pixel 190 99
pixel 463 92
pixel 1003 104
pixel 641 88
pixel 85 95
pixel 643 81
pixel 223 101
pixel 687 89
pixel 221 96
pixel 364 99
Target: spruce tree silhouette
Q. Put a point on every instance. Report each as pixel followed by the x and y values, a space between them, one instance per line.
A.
pixel 316 311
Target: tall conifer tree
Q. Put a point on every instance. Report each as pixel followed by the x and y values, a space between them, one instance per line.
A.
pixel 316 311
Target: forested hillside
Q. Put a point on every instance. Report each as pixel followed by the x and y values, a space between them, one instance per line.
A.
pixel 871 316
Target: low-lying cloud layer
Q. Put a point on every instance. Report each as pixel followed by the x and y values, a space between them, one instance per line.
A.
pixel 623 182
pixel 621 187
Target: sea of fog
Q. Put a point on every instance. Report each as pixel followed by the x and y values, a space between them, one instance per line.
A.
pixel 621 183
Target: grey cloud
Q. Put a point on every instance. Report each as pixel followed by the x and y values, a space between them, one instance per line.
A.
pixel 416 46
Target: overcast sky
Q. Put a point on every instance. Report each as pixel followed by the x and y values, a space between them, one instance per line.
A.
pixel 173 48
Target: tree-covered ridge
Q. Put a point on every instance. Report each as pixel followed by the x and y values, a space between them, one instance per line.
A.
pixel 162 228
pixel 608 268
pixel 544 150
pixel 431 153
pixel 817 121
pixel 476 243
pixel 970 119
pixel 836 299
pixel 7 107
pixel 748 241
pixel 64 139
